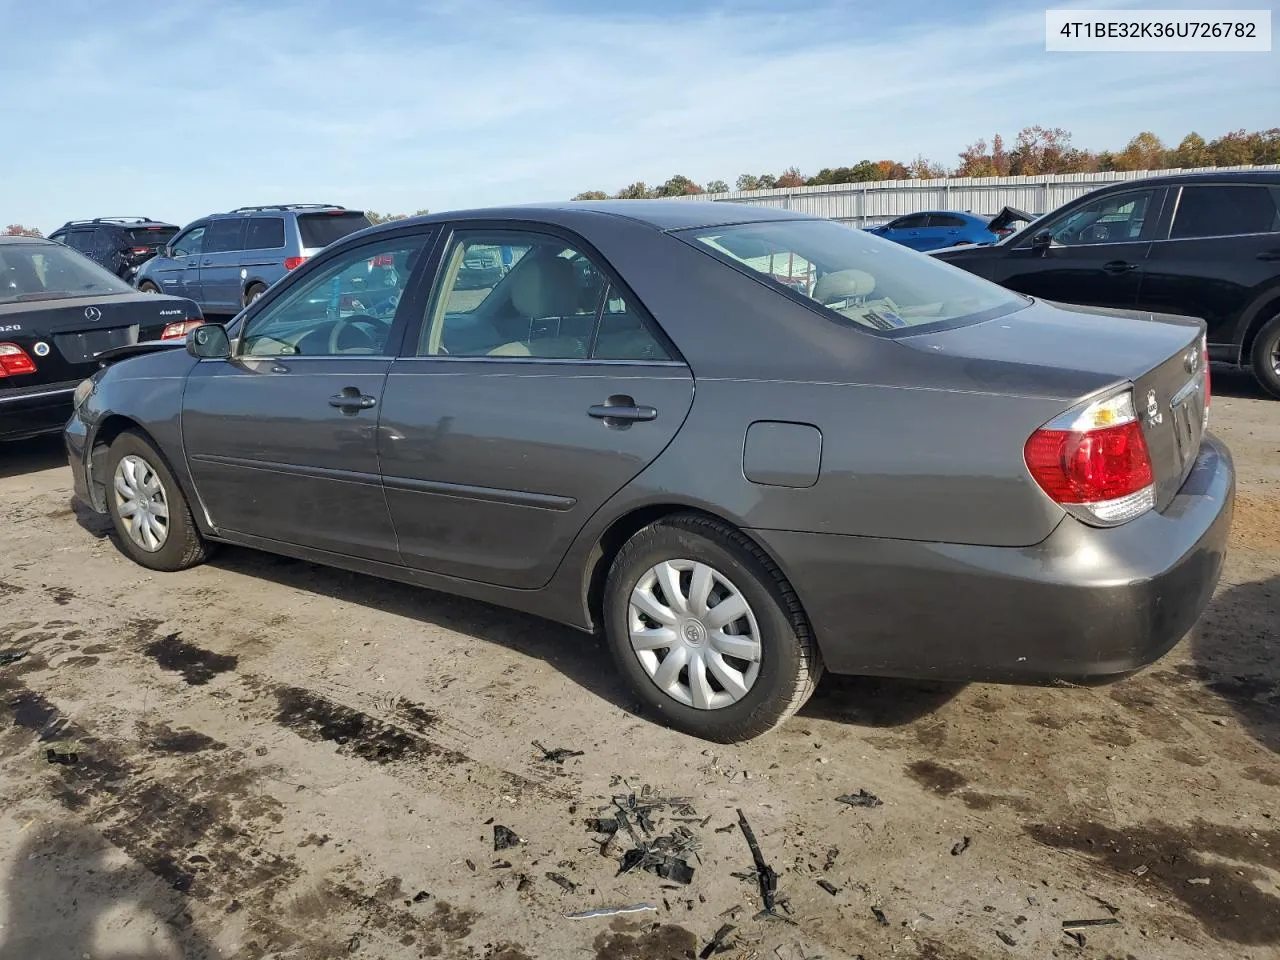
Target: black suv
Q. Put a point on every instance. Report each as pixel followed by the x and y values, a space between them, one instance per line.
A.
pixel 1201 244
pixel 121 244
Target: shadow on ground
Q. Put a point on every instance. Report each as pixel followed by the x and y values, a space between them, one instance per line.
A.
pixel 1234 382
pixel 31 456
pixel 66 886
pixel 1236 652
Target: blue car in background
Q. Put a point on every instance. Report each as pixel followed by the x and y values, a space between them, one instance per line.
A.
pixel 935 229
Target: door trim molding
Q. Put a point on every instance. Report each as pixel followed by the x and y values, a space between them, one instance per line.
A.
pixel 463 491
pixel 291 469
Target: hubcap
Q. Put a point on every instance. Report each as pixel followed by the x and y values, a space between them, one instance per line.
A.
pixel 695 634
pixel 1275 357
pixel 142 503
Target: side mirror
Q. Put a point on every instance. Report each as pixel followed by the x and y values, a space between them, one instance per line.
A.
pixel 1041 242
pixel 209 341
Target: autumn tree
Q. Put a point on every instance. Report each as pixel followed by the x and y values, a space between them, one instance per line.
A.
pixel 636 191
pixel 18 230
pixel 1231 149
pixel 678 186
pixel 592 195
pixel 922 169
pixel 717 186
pixel 891 170
pixel 791 177
pixel 1143 152
pixel 1190 153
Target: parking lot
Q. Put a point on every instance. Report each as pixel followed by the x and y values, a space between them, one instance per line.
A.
pixel 273 759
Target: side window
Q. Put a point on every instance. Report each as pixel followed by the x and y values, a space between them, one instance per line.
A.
pixel 191 242
pixel 80 239
pixel 1117 218
pixel 513 294
pixel 914 222
pixel 345 307
pixel 945 220
pixel 224 236
pixel 624 335
pixel 1225 211
pixel 264 233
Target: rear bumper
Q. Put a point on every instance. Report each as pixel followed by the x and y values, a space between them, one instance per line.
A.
pixel 32 411
pixel 1084 604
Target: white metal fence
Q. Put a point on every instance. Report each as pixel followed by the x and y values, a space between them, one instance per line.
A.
pixel 867 204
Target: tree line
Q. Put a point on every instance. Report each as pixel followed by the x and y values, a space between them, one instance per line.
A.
pixel 1035 151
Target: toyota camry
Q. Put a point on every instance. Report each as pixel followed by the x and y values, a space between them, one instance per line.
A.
pixel 743 445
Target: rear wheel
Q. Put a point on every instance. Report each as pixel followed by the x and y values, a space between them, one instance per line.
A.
pixel 707 631
pixel 1266 356
pixel 254 292
pixel 152 520
pixel 146 286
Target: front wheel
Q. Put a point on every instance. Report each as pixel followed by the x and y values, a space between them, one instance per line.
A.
pixel 707 631
pixel 1266 356
pixel 152 520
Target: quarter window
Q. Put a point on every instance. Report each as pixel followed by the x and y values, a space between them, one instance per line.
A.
pixel 1226 210
pixel 624 334
pixel 264 233
pixel 344 308
pixel 189 243
pixel 1117 218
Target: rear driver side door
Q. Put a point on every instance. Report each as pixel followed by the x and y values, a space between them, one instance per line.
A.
pixel 521 407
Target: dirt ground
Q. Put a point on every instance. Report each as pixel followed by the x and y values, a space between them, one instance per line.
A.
pixel 278 760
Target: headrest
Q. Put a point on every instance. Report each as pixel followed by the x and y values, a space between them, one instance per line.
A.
pixel 547 287
pixel 843 285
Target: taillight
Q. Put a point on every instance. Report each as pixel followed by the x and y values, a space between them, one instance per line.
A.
pixel 382 260
pixel 139 251
pixel 1095 462
pixel 293 263
pixel 14 361
pixel 179 330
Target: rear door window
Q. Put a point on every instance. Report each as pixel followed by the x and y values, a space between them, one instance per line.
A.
pixel 224 236
pixel 264 233
pixel 1226 210
pixel 914 222
pixel 322 229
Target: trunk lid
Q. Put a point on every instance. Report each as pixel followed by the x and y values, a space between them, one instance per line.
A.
pixel 1093 348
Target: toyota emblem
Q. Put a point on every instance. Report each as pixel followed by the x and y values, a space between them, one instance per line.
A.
pixel 93 314
pixel 1191 361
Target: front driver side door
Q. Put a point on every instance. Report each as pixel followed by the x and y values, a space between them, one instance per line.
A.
pixel 1096 255
pixel 282 439
pixel 179 274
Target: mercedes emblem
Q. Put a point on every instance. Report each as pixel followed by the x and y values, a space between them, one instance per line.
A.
pixel 93 314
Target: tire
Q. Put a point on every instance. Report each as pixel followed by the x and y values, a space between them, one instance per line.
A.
pixel 254 292
pixel 181 545
pixel 788 665
pixel 1266 356
pixel 146 286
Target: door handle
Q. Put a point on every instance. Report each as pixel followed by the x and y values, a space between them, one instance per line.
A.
pixel 1269 255
pixel 621 410
pixel 351 400
pixel 1119 266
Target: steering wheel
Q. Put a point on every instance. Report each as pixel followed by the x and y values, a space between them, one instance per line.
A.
pixel 345 323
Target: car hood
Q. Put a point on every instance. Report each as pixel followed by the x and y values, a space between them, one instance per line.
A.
pixel 1061 350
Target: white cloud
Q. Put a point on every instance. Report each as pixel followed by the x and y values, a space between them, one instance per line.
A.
pixel 204 106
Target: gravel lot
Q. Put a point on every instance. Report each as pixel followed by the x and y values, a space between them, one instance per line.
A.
pixel 279 760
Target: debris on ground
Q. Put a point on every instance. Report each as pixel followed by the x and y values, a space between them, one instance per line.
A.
pixel 880 917
pixel 1104 922
pixel 1139 871
pixel 11 656
pixel 420 896
pixel 1199 881
pixel 664 855
pixel 609 911
pixel 66 759
pixel 563 882
pixel 860 799
pixel 1078 938
pixel 505 837
pixel 832 853
pixel 765 874
pixel 960 847
pixel 828 886
pixel 1006 939
pixel 1111 908
pixel 558 755
pixel 716 943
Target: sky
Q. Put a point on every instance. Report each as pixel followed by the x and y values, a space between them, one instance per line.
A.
pixel 177 110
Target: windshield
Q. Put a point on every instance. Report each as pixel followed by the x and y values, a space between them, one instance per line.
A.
pixel 859 277
pixel 322 229
pixel 151 236
pixel 45 271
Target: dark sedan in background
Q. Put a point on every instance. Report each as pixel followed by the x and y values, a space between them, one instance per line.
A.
pixel 58 310
pixel 874 464
pixel 1205 245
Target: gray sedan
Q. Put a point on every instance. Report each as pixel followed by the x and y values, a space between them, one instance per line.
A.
pixel 742 444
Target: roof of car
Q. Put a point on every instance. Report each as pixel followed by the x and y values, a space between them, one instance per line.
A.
pixel 662 214
pixel 1201 176
pixel 9 240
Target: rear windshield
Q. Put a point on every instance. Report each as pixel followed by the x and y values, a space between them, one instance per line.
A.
pixel 857 277
pixel 151 236
pixel 46 272
pixel 321 229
